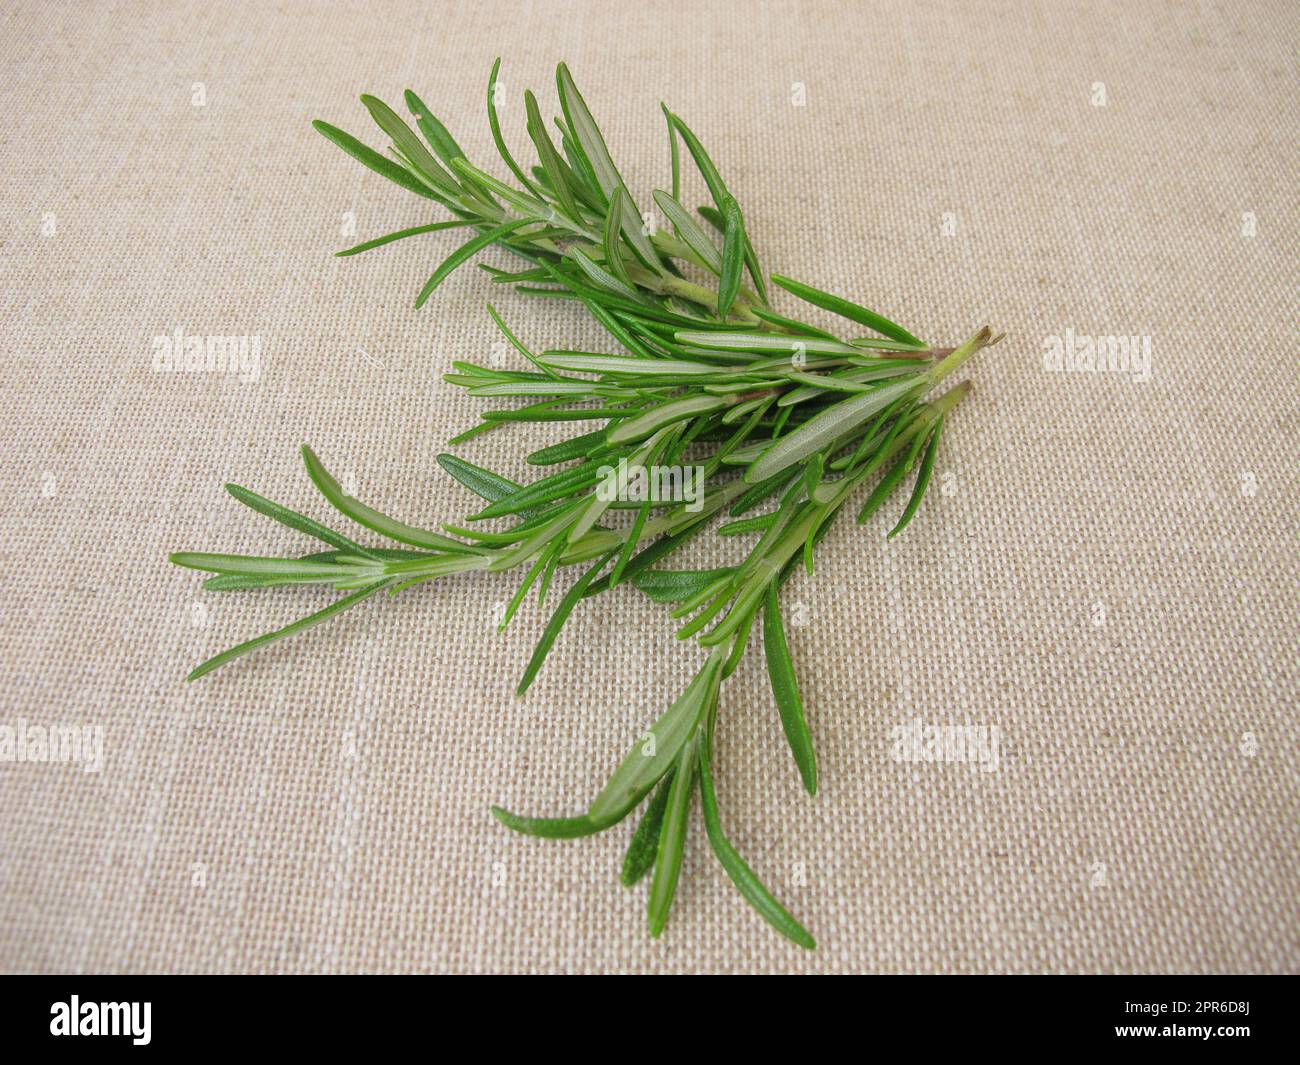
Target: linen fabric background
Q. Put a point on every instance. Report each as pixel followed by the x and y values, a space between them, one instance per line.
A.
pixel 1105 571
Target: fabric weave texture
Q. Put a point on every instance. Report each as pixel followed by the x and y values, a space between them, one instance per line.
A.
pixel 1105 571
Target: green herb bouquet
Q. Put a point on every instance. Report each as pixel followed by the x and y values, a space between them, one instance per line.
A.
pixel 786 424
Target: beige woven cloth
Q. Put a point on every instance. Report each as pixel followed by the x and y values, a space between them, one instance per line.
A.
pixel 1106 572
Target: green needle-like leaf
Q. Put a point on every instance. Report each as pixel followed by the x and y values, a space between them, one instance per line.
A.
pixel 733 256
pixel 466 251
pixel 481 482
pixel 601 277
pixel 719 191
pixel 613 253
pixel 641 851
pixel 802 329
pixel 847 309
pixel 517 344
pixel 713 216
pixel 533 208
pixel 596 154
pixel 410 147
pixel 672 840
pixel 369 157
pixel 652 755
pixel 690 231
pixel 301 625
pixel 400 234
pixel 674 153
pixel 672 586
pixel 741 875
pixel 630 545
pixel 780 670
pixel 557 174
pixel 813 472
pixel 761 342
pixel 442 142
pixel 258 566
pixel 555 486
pixel 577 448
pixel 745 526
pixel 890 481
pixel 551 827
pixel 584 362
pixel 294 520
pixel 495 123
pixel 553 627
pixel 369 517
pixel 653 420
pixel 824 429
pixel 922 481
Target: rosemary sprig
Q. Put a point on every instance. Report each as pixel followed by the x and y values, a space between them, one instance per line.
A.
pixel 771 409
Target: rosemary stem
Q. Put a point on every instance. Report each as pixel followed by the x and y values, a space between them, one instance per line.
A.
pixel 961 353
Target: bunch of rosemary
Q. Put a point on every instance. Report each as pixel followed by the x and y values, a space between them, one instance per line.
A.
pixel 785 419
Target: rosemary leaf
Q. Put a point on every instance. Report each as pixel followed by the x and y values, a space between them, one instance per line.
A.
pixel 368 516
pixel 481 482
pixel 597 156
pixel 641 851
pixel 294 520
pixel 652 756
pixel 442 142
pixel 466 251
pixel 690 232
pixel 301 625
pixel 785 688
pixel 433 227
pixel 557 173
pixel 922 481
pixel 672 840
pixel 552 827
pixel 824 429
pixel 577 448
pixel 552 630
pixel 890 481
pixel 371 158
pixel 672 586
pixel 653 420
pixel 494 123
pixel 733 256
pixel 410 146
pixel 741 875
